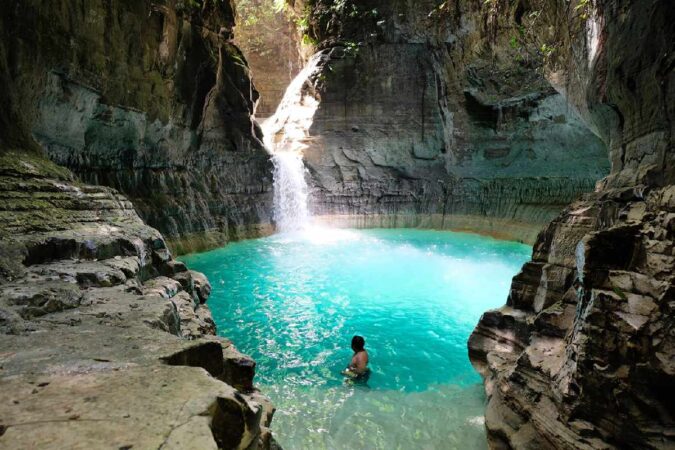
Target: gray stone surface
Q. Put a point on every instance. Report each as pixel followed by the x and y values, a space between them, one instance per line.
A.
pixel 582 355
pixel 89 328
pixel 421 117
pixel 150 98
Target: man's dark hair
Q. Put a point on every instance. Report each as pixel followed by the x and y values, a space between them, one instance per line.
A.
pixel 358 343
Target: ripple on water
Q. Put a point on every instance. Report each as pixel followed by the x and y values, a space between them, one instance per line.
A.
pixel 293 302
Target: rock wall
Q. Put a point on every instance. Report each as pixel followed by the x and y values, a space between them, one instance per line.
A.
pixel 151 98
pixel 93 312
pixel 427 117
pixel 582 355
pixel 154 99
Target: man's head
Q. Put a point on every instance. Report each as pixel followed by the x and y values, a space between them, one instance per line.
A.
pixel 358 343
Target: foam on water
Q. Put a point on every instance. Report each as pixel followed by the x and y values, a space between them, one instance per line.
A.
pixel 294 300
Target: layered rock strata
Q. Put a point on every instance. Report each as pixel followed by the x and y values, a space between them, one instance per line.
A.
pixel 428 117
pixel 106 339
pixel 583 354
pixel 151 98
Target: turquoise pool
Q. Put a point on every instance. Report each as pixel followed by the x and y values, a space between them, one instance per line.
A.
pixel 293 302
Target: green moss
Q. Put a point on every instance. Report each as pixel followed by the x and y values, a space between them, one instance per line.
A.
pixel 620 293
pixel 14 163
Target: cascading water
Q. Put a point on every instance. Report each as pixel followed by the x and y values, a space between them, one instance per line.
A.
pixel 290 192
pixel 286 136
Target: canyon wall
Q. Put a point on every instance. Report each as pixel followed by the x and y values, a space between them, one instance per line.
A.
pixel 431 116
pixel 106 339
pixel 94 312
pixel 583 354
pixel 151 98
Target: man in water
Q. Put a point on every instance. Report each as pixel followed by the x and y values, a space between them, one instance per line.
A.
pixel 358 368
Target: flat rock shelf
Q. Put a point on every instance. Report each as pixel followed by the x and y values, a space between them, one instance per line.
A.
pixel 293 302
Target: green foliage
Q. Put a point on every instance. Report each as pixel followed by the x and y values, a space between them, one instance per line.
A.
pixel 438 10
pixel 620 293
pixel 197 4
pixel 546 50
pixel 583 8
pixel 343 19
pixel 308 40
pixel 351 48
pixel 260 23
pixel 526 41
pixel 303 24
pixel 280 5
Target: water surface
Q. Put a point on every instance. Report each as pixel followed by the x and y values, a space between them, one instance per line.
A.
pixel 293 302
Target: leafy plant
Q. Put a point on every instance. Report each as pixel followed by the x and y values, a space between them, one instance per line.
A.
pixel 546 50
pixel 308 40
pixel 260 23
pixel 351 48
pixel 583 8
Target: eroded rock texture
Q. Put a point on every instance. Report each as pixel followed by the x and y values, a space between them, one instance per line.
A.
pixel 151 98
pixel 427 116
pixel 93 312
pixel 583 354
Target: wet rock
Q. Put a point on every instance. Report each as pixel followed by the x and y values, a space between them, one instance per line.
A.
pixel 417 128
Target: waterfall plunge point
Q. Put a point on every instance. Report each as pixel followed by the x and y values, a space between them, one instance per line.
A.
pixel 290 192
pixel 286 135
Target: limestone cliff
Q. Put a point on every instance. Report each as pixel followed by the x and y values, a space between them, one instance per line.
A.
pixel 428 116
pixel 583 354
pixel 93 312
pixel 151 98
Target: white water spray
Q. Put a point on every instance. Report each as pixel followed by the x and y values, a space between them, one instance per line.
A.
pixel 286 136
pixel 290 192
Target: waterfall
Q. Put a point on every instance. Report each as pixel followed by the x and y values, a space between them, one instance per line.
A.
pixel 286 137
pixel 290 192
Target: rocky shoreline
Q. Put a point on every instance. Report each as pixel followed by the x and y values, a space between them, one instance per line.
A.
pixel 118 114
pixel 106 339
pixel 582 356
